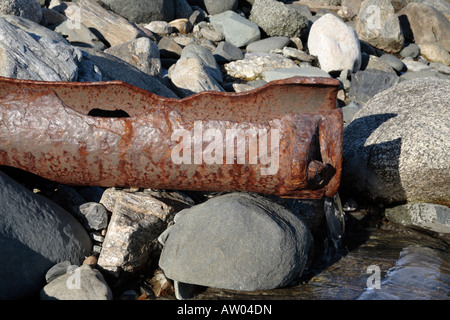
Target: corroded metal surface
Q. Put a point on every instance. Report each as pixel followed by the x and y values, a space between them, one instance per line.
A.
pixel 49 128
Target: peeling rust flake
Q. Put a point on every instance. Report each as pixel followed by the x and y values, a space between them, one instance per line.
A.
pixel 284 138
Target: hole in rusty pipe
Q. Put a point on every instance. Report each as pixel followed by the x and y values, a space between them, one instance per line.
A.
pixel 96 112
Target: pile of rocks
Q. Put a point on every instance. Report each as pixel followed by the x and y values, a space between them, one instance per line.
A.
pixel 391 57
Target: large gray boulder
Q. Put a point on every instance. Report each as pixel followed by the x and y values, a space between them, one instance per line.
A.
pixel 35 56
pixel 142 11
pixel 236 241
pixel 278 19
pixel 396 147
pixel 35 234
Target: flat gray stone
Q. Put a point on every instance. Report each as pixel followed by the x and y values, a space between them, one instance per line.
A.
pixel 215 7
pixel 237 30
pixel 431 217
pixel 236 241
pixel 365 84
pixel 268 44
pixel 277 74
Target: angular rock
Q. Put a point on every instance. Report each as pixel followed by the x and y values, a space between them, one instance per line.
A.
pixel 83 283
pixel 350 8
pixel 35 234
pixel 160 27
pixel 431 217
pixel 299 55
pixel 211 34
pixel 442 6
pixel 27 9
pixel 80 36
pixel 376 63
pixel 113 68
pixel 182 25
pixel 142 53
pixel 205 57
pixel 366 84
pixel 237 30
pixel 256 63
pixel 215 7
pixel 108 26
pixel 168 48
pixel 278 19
pixel 396 148
pixel 335 44
pixel 268 44
pixel 277 74
pixel 93 215
pixel 424 24
pixel 191 76
pixel 226 52
pixel 30 56
pixel 378 24
pixel 142 11
pixel 236 241
pixel 138 218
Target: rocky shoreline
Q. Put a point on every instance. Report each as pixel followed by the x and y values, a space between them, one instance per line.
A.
pixel 393 63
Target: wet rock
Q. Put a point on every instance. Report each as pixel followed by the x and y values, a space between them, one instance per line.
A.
pixel 224 243
pixel 366 84
pixel 268 44
pixel 255 64
pixel 226 52
pixel 396 148
pixel 27 9
pixel 138 218
pixel 35 234
pixel 378 24
pixel 113 68
pixel 423 24
pixel 83 283
pixel 30 56
pixel 278 19
pixel 142 53
pixel 142 11
pixel 237 30
pixel 418 274
pixel 335 44
pixel 110 27
pixel 215 7
pixel 432 217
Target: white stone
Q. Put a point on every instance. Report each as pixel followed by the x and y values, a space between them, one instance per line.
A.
pixel 335 44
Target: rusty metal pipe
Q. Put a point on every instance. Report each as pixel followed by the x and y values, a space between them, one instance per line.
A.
pixel 46 129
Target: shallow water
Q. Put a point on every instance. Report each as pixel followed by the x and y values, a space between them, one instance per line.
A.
pixel 377 260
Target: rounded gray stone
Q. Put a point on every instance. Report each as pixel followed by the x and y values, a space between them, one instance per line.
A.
pixel 236 241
